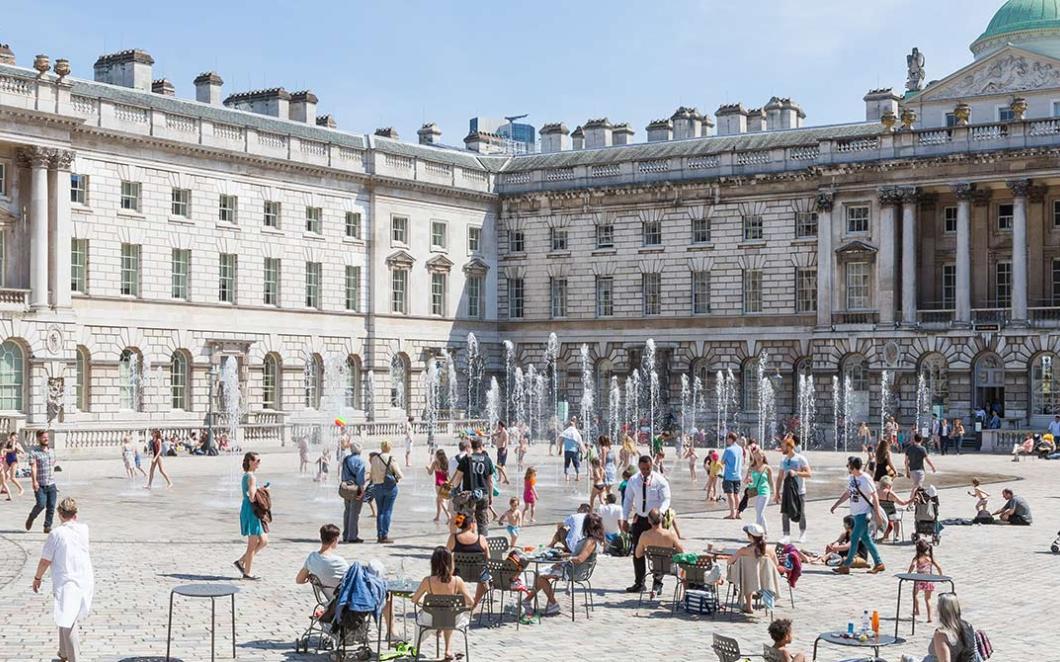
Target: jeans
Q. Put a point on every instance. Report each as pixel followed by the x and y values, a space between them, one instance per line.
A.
pixel 46 497
pixel 786 523
pixel 351 515
pixel 384 501
pixel 569 458
pixel 860 536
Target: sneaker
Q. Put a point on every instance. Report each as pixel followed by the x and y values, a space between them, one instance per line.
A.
pixel 385 541
pixel 784 540
pixel 636 588
pixel 841 570
pixel 29 523
pixel 551 609
pixel 802 538
pixel 47 529
pixel 878 568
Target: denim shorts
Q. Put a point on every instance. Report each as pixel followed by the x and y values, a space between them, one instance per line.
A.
pixel 731 486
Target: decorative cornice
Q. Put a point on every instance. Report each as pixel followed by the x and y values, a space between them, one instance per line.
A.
pixel 35 156
pixel 61 159
pixel 889 195
pixel 439 264
pixel 476 266
pixel 400 260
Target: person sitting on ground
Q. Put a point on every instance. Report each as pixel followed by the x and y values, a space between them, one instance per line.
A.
pixel 755 569
pixel 781 633
pixel 325 564
pixel 466 539
pixel 568 534
pixel 1045 447
pixel 835 552
pixel 591 537
pixel 657 536
pixel 1025 448
pixel 442 581
pixel 1016 511
pixel 611 514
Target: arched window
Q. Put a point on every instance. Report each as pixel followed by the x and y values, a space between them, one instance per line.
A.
pixel 12 377
pixel 82 378
pixel 1045 385
pixel 354 391
pixel 314 378
pixel 988 376
pixel 179 380
pixel 856 376
pixel 749 381
pixel 933 377
pixel 130 374
pixel 271 384
pixel 400 388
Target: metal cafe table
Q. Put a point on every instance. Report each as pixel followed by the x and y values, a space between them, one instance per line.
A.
pixel 212 591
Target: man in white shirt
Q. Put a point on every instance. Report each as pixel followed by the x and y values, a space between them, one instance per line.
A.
pixel 611 515
pixel 73 582
pixel 464 448
pixel 573 447
pixel 1054 428
pixel 864 504
pixel 326 564
pixel 644 491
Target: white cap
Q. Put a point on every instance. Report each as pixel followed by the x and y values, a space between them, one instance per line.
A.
pixel 931 491
pixel 754 530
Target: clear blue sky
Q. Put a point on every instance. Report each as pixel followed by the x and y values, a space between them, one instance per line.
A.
pixel 402 62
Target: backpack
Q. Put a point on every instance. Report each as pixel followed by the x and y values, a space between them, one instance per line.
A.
pixel 983 646
pixel 620 545
pixel 968 652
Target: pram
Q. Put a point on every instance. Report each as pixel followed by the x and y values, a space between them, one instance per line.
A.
pixel 345 621
pixel 926 515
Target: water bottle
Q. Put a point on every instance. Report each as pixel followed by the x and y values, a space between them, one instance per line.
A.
pixel 850 627
pixel 865 621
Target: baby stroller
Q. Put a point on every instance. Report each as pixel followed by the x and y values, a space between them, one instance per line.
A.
pixel 358 603
pixel 926 514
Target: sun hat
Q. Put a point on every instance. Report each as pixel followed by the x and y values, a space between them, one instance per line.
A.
pixel 932 492
pixel 754 530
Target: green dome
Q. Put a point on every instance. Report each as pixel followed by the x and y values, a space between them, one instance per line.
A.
pixel 1021 15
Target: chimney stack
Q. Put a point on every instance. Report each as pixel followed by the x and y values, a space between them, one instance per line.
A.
pixel 622 134
pixel 687 123
pixel 597 133
pixel 130 68
pixel 484 142
pixel 164 87
pixel 783 113
pixel 756 120
pixel 554 138
pixel 429 134
pixel 7 56
pixel 387 132
pixel 879 102
pixel 660 130
pixel 208 88
pixel 326 121
pixel 732 119
pixel 274 102
pixel 577 138
pixel 303 107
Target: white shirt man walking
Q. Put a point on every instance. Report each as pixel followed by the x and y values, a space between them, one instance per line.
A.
pixel 73 583
pixel 644 491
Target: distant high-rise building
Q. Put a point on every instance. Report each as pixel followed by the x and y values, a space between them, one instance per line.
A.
pixel 520 138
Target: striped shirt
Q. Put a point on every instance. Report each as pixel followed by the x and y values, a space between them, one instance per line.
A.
pixel 44 460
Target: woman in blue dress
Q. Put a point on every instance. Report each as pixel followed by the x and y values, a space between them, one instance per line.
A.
pixel 249 524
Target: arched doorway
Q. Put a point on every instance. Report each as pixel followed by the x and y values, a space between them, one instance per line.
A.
pixel 988 381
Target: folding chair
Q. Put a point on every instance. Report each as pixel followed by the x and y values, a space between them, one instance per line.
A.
pixel 660 564
pixel 696 574
pixel 470 566
pixel 726 648
pixel 497 545
pixel 581 578
pixel 315 624
pixel 445 611
pixel 503 576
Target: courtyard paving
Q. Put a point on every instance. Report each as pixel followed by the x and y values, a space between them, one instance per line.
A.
pixel 145 543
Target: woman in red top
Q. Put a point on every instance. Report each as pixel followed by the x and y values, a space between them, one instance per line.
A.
pixel 440 468
pixel 156 459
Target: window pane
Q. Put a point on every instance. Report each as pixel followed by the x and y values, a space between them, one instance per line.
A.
pixel 272 281
pixel 858 219
pixel 605 302
pixel 515 298
pixel 857 286
pixel 353 288
pixel 700 292
pixel 130 269
pixel 805 290
pixel 312 284
pixel 806 224
pixel 558 297
pixel 79 265
pixel 180 267
pixel 11 376
pixel 314 220
pixel 398 288
pixel 272 214
pixel 651 292
pixel 474 297
pixel 178 369
pixel 228 208
pixel 752 291
pixel 474 239
pixel 353 225
pixel 78 187
pixel 438 292
pixel 226 287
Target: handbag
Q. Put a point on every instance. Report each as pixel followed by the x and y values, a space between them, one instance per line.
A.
pixel 349 490
pixel 389 479
pixel 878 515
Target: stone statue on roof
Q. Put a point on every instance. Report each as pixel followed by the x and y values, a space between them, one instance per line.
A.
pixel 916 74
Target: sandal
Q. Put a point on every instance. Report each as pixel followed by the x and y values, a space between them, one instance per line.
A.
pixel 239 566
pixel 252 577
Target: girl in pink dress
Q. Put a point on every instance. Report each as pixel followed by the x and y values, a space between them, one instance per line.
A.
pixel 529 493
pixel 924 563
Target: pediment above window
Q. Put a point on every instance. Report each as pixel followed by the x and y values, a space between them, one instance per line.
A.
pixel 855 250
pixel 400 260
pixel 476 267
pixel 439 264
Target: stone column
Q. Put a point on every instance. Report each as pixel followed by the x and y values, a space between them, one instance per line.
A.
pixel 61 228
pixel 825 259
pixel 887 257
pixel 910 198
pixel 963 300
pixel 1020 188
pixel 38 159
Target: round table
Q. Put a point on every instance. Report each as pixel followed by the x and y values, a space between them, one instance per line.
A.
pixel 403 589
pixel 904 577
pixel 842 639
pixel 212 591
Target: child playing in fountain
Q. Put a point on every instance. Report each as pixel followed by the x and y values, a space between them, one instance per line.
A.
pixel 513 518
pixel 530 492
pixel 980 495
pixel 713 466
pixel 303 454
pixel 660 456
pixel 524 442
pixel 690 455
pixel 323 463
pixel 923 563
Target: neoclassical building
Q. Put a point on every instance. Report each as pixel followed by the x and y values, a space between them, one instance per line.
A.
pixel 152 244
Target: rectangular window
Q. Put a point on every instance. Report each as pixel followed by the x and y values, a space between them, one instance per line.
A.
pixel 272 281
pixel 180 202
pixel 805 224
pixel 399 282
pixel 951 120
pixel 652 233
pixel 439 235
pixel 272 214
pixel 130 196
pixel 1005 215
pixel 1005 114
pixel 805 290
pixel 1056 109
pixel 949 286
pixel 1003 284
pixel 858 285
pixel 516 241
pixel 701 230
pixel 353 224
pixel 227 278
pixel 752 291
pixel 1056 214
pixel 557 297
pixel 313 273
pixel 314 220
pixel 78 187
pixel 651 293
pixel 605 235
pixel 515 298
pixel 949 220
pixel 79 265
pixel 752 227
pixel 474 297
pixel 399 229
pixel 130 270
pixel 858 219
pixel 438 292
pixel 1056 281
pixel 228 209
pixel 605 296
pixel 700 292
pixel 353 288
pixel 558 238
pixel 180 269
pixel 474 239
pixel 3 180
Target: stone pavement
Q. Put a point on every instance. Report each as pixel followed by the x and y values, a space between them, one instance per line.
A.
pixel 144 543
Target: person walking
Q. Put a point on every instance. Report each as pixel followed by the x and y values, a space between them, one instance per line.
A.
pixel 156 460
pixel 645 491
pixel 409 441
pixel 474 475
pixel 385 475
pixel 864 504
pixel 352 474
pixel 792 497
pixel 944 435
pixel 915 458
pixel 759 481
pixel 250 525
pixel 42 477
pixel 500 440
pixel 573 447
pixel 957 435
pixel 9 471
pixel 73 582
pixel 732 477
pixel 439 468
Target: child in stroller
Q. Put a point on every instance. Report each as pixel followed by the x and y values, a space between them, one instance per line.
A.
pixel 926 514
